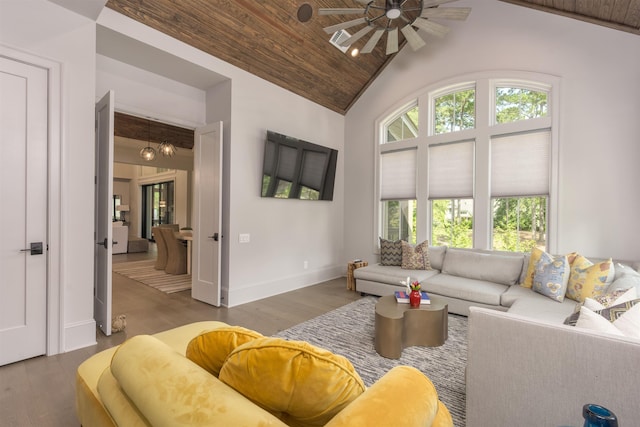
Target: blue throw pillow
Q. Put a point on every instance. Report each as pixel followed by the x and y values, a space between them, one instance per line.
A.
pixel 551 276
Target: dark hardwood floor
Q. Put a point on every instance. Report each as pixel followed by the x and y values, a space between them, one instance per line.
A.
pixel 41 391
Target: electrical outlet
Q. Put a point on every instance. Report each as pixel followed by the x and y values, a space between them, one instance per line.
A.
pixel 244 238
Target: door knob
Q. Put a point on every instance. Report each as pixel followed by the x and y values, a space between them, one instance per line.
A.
pixel 34 249
pixel 215 236
pixel 104 243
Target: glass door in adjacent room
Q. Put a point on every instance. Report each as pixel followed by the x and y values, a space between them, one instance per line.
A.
pixel 158 206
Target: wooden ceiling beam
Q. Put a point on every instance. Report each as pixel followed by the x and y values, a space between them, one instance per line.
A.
pixel 133 127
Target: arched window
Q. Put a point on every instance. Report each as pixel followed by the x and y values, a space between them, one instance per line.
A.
pixel 474 169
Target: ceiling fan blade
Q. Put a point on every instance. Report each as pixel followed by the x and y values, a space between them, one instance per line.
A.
pixel 372 42
pixel 357 36
pixel 340 11
pixel 432 3
pixel 457 13
pixel 343 25
pixel 413 38
pixel 431 27
pixel 392 41
pixel 364 2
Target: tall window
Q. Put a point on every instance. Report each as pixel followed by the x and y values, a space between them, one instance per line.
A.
pixel 398 161
pixel 520 171
pixel 479 174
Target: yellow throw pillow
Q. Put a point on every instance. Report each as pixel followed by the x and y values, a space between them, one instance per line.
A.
pixel 531 269
pixel 589 280
pixel 299 383
pixel 210 349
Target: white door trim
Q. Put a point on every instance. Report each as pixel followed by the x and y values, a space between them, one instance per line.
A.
pixel 55 273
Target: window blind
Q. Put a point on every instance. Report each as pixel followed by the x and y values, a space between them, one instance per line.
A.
pixel 451 170
pixel 520 164
pixel 398 175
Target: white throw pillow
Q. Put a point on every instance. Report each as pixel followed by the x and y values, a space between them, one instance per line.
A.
pixel 593 321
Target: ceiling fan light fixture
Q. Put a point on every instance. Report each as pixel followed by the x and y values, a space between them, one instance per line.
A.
pixel 394 10
pixel 391 17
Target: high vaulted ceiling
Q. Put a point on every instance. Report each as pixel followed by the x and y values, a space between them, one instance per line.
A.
pixel 266 38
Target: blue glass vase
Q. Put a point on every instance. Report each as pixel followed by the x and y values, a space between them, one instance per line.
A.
pixel 598 416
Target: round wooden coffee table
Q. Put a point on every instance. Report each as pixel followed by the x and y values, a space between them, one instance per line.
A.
pixel 399 326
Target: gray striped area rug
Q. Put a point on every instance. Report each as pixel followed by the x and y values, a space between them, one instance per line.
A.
pixel 349 331
pixel 143 272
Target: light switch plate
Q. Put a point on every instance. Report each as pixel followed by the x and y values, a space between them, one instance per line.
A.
pixel 244 238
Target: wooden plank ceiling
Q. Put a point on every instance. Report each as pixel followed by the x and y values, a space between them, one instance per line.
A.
pixel 623 15
pixel 266 38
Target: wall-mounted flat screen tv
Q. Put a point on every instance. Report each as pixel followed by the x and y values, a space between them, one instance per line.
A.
pixel 297 169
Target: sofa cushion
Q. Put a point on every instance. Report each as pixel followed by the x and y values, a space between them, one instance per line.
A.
pixel 415 257
pixel 503 269
pixel 552 276
pixel 301 384
pixel 391 275
pixel 170 390
pixel 588 279
pixel 436 256
pixel 210 349
pixel 390 252
pixel 479 291
pixel 534 305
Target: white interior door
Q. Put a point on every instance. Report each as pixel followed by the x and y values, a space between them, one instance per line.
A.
pixel 103 226
pixel 207 214
pixel 23 191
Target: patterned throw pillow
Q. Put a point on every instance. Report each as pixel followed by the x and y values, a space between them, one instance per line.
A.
pixel 609 299
pixel 390 252
pixel 551 276
pixel 533 260
pixel 588 279
pixel 415 257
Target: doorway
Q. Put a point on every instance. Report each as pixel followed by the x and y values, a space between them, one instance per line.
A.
pixel 158 206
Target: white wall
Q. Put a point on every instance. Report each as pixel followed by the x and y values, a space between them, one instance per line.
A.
pixel 50 31
pixel 599 70
pixel 284 233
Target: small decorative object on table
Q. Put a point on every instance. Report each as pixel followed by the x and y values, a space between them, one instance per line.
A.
pixel 598 416
pixel 414 292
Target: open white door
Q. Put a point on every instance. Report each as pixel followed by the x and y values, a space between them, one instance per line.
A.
pixel 103 227
pixel 207 214
pixel 23 191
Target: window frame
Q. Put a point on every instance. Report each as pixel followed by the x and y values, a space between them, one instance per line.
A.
pixel 485 129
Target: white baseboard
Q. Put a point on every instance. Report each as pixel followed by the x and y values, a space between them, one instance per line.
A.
pixel 79 335
pixel 258 291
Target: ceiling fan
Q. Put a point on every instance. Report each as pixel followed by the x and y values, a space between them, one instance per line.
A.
pixel 387 16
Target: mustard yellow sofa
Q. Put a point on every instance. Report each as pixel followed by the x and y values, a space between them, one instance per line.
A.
pixel 236 377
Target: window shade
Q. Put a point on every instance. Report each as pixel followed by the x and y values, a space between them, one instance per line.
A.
pixel 398 175
pixel 520 164
pixel 451 170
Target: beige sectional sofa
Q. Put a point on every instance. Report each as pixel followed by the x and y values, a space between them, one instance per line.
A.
pixel 524 366
pixel 478 278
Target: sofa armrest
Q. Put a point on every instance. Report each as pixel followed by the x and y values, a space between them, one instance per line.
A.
pixel 402 395
pixel 170 390
pixel 521 369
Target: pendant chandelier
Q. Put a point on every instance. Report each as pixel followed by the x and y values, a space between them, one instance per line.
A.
pixel 165 148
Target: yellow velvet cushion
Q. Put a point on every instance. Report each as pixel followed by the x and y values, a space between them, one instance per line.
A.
pixel 589 280
pixel 403 396
pixel 210 349
pixel 301 384
pixel 171 391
